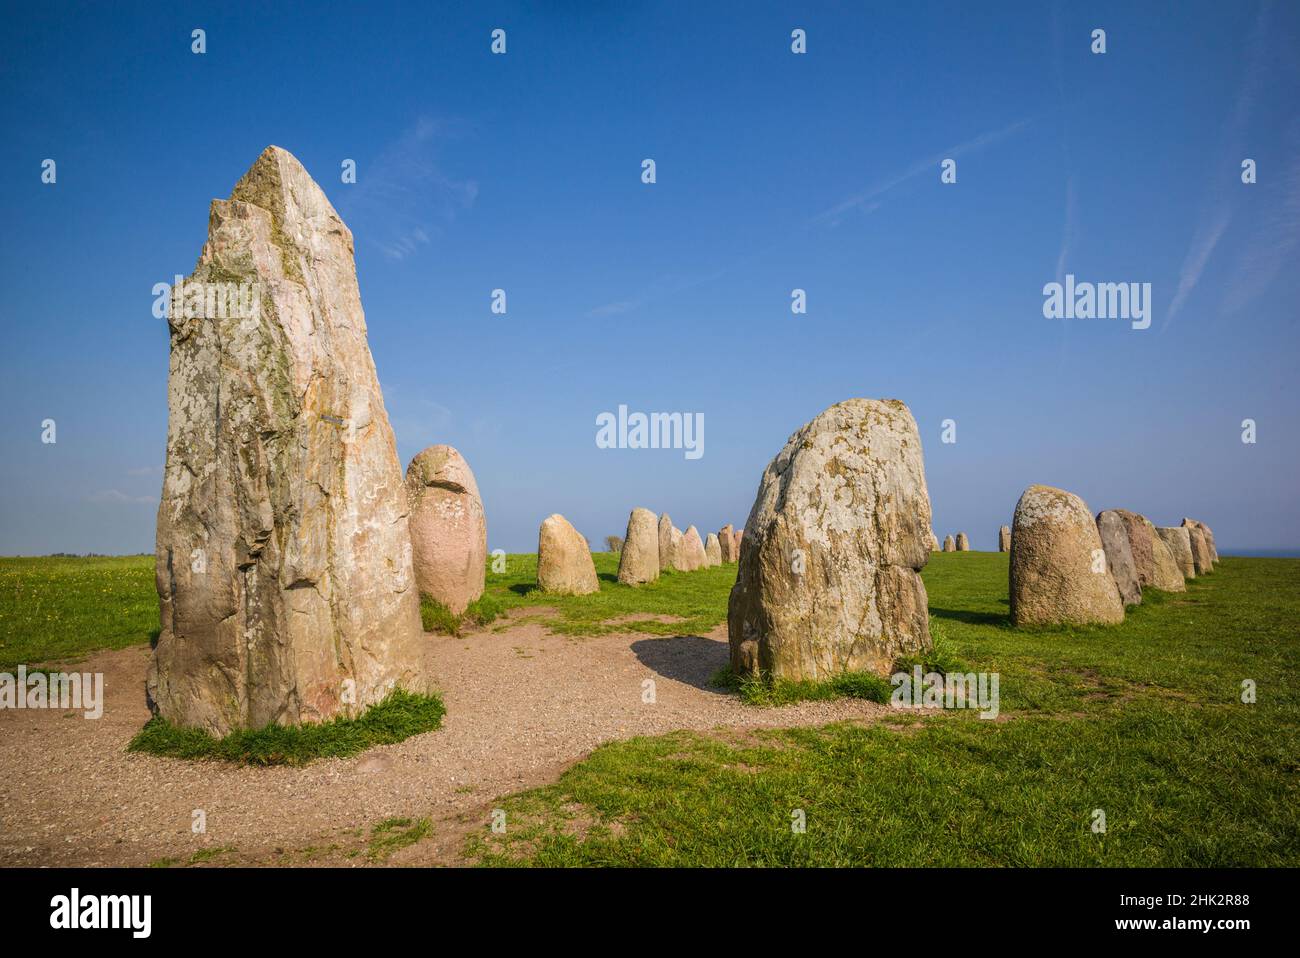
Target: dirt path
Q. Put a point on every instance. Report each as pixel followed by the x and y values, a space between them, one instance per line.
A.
pixel 522 704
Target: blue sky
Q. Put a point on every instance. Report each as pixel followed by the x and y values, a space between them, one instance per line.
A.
pixel 774 171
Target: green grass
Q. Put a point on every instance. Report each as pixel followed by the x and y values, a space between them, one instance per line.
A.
pixel 55 608
pixel 690 599
pixel 399 716
pixel 436 617
pixel 393 834
pixel 1143 720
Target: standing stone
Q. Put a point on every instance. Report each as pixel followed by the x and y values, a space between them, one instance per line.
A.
pixel 712 550
pixel 283 562
pixel 679 558
pixel 691 550
pixel 736 537
pixel 963 544
pixel 829 566
pixel 1139 534
pixel 1179 541
pixel 726 543
pixel 639 561
pixel 1209 555
pixel 934 542
pixel 1119 556
pixel 1004 539
pixel 1209 538
pixel 1200 550
pixel 665 542
pixel 1165 574
pixel 1058 564
pixel 448 528
pixel 948 544
pixel 564 564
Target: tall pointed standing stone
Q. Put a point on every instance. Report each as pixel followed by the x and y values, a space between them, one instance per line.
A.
pixel 665 531
pixel 284 566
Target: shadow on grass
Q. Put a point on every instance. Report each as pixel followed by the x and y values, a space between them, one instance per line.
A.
pixel 525 588
pixel 1002 619
pixel 692 659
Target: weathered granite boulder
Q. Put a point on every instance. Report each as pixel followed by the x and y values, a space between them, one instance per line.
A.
pixel 691 550
pixel 284 567
pixel 1058 565
pixel 680 560
pixel 1165 573
pixel 1004 539
pixel 1202 552
pixel 1119 555
pixel 448 528
pixel 949 544
pixel 934 542
pixel 1179 541
pixel 1209 538
pixel 727 543
pixel 1137 530
pixel 829 564
pixel 712 550
pixel 963 544
pixel 665 542
pixel 639 561
pixel 564 563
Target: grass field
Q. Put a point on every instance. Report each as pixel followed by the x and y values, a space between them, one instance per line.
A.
pixel 1143 721
pixel 58 608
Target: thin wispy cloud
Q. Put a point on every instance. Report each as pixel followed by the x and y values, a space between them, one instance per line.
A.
pixel 1070 228
pixel 612 309
pixel 1216 214
pixel 868 200
pixel 403 199
pixel 1271 248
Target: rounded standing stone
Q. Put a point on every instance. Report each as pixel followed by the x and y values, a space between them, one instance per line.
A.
pixel 639 562
pixel 564 563
pixel 1058 565
pixel 448 528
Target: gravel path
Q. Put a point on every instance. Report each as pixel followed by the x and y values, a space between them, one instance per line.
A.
pixel 522 705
